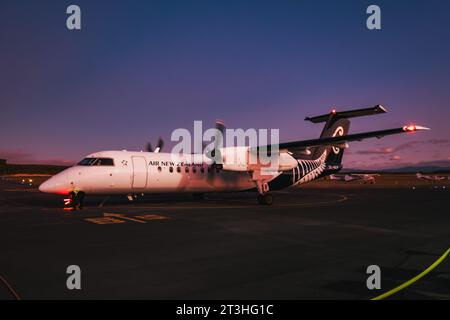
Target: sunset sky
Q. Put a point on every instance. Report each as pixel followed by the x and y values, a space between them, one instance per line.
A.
pixel 138 70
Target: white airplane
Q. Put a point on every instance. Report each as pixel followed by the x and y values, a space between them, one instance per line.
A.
pixel 429 178
pixel 131 173
pixel 365 178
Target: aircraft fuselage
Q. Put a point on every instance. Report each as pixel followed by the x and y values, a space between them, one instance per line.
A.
pixel 147 172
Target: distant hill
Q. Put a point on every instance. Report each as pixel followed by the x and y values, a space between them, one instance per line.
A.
pixel 30 169
pixel 424 169
pixel 441 166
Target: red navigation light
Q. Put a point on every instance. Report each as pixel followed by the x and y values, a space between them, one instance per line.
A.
pixel 411 127
pixel 333 111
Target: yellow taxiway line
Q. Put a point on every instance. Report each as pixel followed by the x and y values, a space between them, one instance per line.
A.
pixel 411 281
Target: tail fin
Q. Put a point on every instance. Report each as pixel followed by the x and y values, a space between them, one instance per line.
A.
pixel 333 128
pixel 337 124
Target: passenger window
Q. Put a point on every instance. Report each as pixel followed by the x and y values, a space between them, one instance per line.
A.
pixel 194 169
pixel 178 169
pixel 186 169
pixel 170 169
pixel 159 169
pixel 202 170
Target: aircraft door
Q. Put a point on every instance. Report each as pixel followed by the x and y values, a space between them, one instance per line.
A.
pixel 139 172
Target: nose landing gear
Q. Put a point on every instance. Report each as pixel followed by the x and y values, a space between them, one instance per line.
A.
pixel 75 200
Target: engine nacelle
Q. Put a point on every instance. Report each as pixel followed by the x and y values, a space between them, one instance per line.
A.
pixel 241 159
pixel 235 158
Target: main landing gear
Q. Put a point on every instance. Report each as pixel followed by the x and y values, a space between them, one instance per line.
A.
pixel 265 199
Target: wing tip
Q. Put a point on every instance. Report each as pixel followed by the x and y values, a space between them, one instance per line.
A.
pixel 413 127
pixel 381 108
pixel 422 128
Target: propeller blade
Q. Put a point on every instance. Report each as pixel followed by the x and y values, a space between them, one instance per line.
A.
pixel 160 145
pixel 220 133
pixel 220 125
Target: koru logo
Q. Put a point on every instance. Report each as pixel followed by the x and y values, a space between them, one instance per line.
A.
pixel 74 280
pixel 338 132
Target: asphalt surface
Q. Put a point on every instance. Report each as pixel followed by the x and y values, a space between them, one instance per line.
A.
pixel 311 244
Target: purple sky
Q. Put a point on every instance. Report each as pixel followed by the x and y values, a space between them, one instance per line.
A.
pixel 138 70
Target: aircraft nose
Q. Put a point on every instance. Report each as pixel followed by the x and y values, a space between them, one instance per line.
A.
pixel 48 186
pixel 44 186
pixel 56 184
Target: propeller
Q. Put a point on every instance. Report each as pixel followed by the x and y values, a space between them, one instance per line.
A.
pixel 215 153
pixel 220 132
pixel 149 147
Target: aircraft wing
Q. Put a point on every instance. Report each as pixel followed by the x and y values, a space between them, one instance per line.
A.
pixel 340 140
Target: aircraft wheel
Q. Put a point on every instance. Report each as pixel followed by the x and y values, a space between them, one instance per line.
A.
pixel 72 201
pixel 76 200
pixel 265 199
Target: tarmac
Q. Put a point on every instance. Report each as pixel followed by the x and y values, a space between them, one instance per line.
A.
pixel 313 243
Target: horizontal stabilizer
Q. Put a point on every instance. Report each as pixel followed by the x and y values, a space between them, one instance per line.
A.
pixel 348 114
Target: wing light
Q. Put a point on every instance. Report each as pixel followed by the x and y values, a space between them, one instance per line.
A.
pixel 413 127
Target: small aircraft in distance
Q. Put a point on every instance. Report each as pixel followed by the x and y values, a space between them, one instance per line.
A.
pixel 429 178
pixel 230 169
pixel 363 177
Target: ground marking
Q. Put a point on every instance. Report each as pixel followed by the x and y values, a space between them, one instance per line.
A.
pixel 112 218
pixel 411 281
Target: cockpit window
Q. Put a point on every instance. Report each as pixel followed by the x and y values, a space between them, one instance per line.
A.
pixel 104 162
pixel 96 162
pixel 86 162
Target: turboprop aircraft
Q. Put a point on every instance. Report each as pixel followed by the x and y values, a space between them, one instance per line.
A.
pixel 224 169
